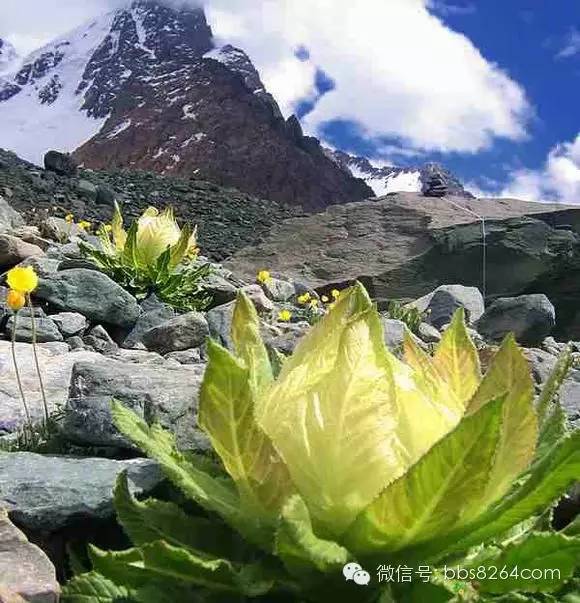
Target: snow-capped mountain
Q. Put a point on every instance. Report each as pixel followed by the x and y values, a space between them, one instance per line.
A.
pixel 431 179
pixel 8 57
pixel 145 87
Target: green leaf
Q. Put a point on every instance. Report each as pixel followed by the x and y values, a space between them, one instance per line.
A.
pixel 546 482
pixel 248 344
pixel 435 494
pixel 553 384
pixel 301 551
pixel 226 414
pixel 94 588
pixel 178 251
pixel 552 557
pixel 121 567
pixel 456 360
pixel 212 494
pixel 346 416
pixel 153 520
pixel 573 528
pixel 554 429
pixel 182 565
pixel 130 255
pixel 509 374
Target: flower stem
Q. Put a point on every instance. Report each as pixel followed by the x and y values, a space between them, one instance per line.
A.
pixel 17 371
pixel 37 364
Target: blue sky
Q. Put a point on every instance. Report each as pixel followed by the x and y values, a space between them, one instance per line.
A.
pixel 536 43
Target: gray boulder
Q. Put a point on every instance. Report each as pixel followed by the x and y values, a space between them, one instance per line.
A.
pixel 46 329
pixel 86 189
pixel 154 313
pixel 542 364
pixel 60 163
pixel 167 395
pixel 442 303
pixel 180 333
pixel 47 493
pixel 90 293
pixel 428 333
pixel 530 318
pixel 279 290
pixel 25 570
pixel 9 218
pixel 70 323
pixel 219 321
pixel 14 250
pixel 100 341
pixel 394 333
pixel 220 288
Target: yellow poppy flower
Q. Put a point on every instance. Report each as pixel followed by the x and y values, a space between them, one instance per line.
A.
pixel 23 280
pixel 325 299
pixel 69 218
pixel 263 276
pixel 335 293
pixel 304 298
pixel 284 315
pixel 314 303
pixel 15 300
pixel 84 225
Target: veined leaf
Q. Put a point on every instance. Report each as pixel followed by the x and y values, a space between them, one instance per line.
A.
pixel 359 416
pixel 456 360
pixel 552 557
pixel 436 493
pixel 130 252
pixel 179 250
pixel 553 384
pixel 212 494
pixel 248 344
pixel 345 415
pixel 509 374
pixel 153 520
pixel 301 551
pixel 547 480
pixel 94 588
pixel 117 230
pixel 226 413
pixel 554 429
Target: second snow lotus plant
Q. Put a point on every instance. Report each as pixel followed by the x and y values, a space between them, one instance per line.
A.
pixel 154 256
pixel 349 455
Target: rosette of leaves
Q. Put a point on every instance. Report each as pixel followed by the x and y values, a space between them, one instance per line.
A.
pixel 351 455
pixel 154 256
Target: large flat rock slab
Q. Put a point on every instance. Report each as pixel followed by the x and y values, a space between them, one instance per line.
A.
pixel 56 364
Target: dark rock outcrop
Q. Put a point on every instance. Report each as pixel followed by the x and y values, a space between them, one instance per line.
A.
pixel 403 246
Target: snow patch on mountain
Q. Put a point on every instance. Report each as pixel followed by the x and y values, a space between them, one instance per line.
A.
pixel 8 57
pixel 40 104
pixel 394 181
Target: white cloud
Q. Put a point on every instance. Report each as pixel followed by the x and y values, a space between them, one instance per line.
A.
pixel 571 47
pixel 400 71
pixel 557 181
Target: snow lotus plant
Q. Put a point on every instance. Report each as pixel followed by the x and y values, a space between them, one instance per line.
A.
pixel 155 255
pixel 349 455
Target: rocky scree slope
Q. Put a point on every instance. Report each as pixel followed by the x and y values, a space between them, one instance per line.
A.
pixel 227 219
pixel 145 87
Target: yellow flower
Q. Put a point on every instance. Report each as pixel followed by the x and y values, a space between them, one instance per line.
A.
pixel 84 225
pixel 107 227
pixel 335 293
pixel 69 218
pixel 23 280
pixel 284 315
pixel 314 304
pixel 15 300
pixel 263 276
pixel 304 298
pixel 325 299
